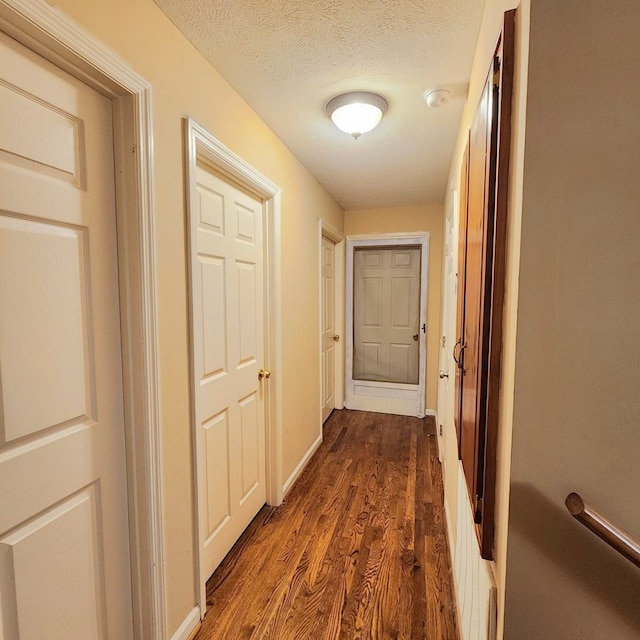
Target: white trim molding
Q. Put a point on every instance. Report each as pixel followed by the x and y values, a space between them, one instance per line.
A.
pixel 189 627
pixel 57 38
pixel 329 231
pixel 202 146
pixel 300 467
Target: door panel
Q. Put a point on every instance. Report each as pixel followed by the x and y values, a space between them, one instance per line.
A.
pixel 54 300
pixel 474 355
pixel 34 606
pixel 216 439
pixel 228 350
pixel 64 542
pixel 328 327
pixel 386 315
pixel 250 427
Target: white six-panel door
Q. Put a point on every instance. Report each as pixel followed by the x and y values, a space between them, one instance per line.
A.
pixel 228 352
pixel 64 548
pixel 386 331
pixel 386 314
pixel 328 336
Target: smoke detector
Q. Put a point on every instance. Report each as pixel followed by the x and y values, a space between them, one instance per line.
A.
pixel 437 97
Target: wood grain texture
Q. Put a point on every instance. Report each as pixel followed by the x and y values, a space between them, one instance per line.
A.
pixel 505 53
pixel 357 551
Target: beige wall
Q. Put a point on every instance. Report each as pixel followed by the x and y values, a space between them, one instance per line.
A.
pixel 577 406
pixel 487 40
pixel 185 84
pixel 406 220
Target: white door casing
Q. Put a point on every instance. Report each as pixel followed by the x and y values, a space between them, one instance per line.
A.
pixel 228 352
pixel 205 150
pixel 64 534
pixel 381 396
pixel 329 334
pixel 446 391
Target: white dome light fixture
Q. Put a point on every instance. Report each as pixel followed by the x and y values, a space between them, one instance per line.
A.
pixel 357 112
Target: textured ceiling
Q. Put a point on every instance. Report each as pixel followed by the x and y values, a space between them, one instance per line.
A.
pixel 288 58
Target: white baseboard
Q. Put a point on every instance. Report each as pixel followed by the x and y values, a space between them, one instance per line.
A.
pixel 450 538
pixel 452 558
pixel 188 626
pixel 301 465
pixel 430 412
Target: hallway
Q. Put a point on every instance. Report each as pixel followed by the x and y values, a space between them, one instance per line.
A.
pixel 358 550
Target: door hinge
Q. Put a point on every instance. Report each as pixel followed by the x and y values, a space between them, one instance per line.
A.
pixel 496 73
pixel 440 430
pixel 444 342
pixel 477 516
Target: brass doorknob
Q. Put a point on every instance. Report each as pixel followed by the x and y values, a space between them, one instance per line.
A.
pixel 416 336
pixel 263 373
pixel 336 338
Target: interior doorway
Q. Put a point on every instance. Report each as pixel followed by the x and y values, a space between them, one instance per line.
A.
pixel 234 214
pixel 331 319
pixel 229 368
pixel 387 279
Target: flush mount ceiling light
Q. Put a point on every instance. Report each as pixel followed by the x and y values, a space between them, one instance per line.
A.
pixel 357 112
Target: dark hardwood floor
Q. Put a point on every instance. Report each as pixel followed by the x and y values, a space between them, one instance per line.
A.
pixel 357 551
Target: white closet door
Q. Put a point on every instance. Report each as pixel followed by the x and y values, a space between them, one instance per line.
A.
pixel 64 547
pixel 228 352
pixel 386 315
pixel 328 328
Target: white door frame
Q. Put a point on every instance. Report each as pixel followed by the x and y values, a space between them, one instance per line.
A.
pixel 446 364
pixel 201 145
pixel 399 393
pixel 338 238
pixel 57 38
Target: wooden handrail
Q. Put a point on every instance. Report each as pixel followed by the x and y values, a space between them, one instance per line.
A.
pixel 622 542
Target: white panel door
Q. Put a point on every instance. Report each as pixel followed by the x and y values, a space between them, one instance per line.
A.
pixel 228 351
pixel 64 547
pixel 386 314
pixel 386 334
pixel 328 336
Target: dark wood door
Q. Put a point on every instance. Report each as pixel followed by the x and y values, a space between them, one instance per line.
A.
pixel 473 356
pixel 481 273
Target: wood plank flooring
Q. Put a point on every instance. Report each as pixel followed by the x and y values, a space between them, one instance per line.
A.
pixel 358 551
